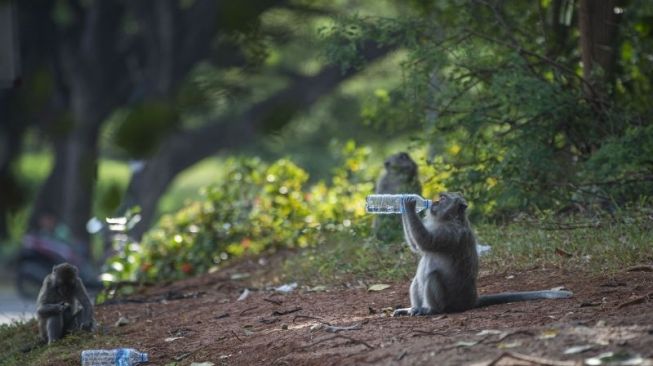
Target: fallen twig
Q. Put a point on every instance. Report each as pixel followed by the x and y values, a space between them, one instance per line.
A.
pixel 587 304
pixel 310 317
pixel 613 284
pixel 357 341
pixel 246 310
pixel 221 316
pixel 635 301
pixel 503 336
pixel 174 295
pixel 275 302
pixel 179 332
pixel 182 356
pixel 401 355
pixel 269 321
pixel 336 329
pixel 420 332
pixel 285 312
pixel 642 268
pixel 563 253
pixel 236 335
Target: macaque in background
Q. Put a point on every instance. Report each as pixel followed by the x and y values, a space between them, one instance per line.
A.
pixel 63 305
pixel 399 176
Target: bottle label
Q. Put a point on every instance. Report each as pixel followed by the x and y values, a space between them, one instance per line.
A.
pixel 98 357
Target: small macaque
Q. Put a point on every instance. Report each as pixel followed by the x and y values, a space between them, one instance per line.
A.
pixel 63 305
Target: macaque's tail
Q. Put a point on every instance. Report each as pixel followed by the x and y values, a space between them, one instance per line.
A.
pixel 506 297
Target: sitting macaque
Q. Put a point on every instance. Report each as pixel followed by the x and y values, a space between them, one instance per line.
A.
pixel 63 305
pixel 445 280
pixel 400 176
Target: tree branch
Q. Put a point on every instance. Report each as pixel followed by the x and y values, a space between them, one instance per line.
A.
pixel 180 151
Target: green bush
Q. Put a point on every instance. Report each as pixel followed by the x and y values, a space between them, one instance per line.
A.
pixel 256 207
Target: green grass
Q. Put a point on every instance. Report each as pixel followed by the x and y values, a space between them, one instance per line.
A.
pixel 188 184
pixel 611 246
pixel 607 247
pixel 113 170
pixel 34 167
pixel 345 258
pixel 21 346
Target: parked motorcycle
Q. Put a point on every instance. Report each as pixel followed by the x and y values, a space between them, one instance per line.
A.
pixel 39 253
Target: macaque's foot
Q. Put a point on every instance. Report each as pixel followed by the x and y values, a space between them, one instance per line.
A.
pixel 88 326
pixel 418 311
pixel 421 311
pixel 401 312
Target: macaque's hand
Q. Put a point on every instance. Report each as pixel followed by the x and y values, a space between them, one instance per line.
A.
pixel 88 326
pixel 408 204
pixel 61 307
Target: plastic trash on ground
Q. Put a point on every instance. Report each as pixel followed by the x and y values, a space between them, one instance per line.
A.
pixel 482 249
pixel 113 357
pixel 286 288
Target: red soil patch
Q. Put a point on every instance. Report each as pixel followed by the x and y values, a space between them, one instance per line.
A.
pixel 200 320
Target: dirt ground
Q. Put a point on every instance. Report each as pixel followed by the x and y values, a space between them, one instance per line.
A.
pixel 202 320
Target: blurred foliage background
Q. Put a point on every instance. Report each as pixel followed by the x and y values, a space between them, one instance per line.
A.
pixel 240 128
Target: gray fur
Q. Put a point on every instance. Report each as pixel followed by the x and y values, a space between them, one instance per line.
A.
pixel 400 175
pixel 446 275
pixel 63 305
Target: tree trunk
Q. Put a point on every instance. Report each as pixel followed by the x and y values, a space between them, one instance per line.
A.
pixel 88 84
pixel 598 29
pixel 11 137
pixel 67 194
pixel 80 175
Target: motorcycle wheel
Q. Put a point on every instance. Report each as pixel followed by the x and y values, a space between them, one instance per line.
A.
pixel 29 277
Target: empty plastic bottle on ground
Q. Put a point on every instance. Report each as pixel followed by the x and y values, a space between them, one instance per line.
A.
pixel 113 357
pixel 391 203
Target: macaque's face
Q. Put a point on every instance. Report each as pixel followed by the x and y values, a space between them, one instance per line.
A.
pixel 401 163
pixel 438 204
pixel 448 204
pixel 64 281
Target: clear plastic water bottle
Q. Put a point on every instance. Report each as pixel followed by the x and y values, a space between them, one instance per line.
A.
pixel 391 203
pixel 113 357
